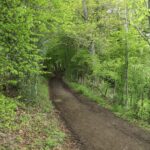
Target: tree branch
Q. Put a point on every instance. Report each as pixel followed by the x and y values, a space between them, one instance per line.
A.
pixel 142 34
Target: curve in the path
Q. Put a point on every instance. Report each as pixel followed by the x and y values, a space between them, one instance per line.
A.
pixel 95 127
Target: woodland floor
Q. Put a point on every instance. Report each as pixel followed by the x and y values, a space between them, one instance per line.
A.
pixel 94 127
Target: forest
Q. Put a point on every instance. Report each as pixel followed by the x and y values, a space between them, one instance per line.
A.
pixel 100 48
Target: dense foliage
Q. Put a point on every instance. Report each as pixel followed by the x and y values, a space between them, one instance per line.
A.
pixel 105 46
pixel 101 44
pixel 22 25
pixel 27 120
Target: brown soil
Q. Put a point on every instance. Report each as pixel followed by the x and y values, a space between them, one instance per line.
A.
pixel 69 143
pixel 94 127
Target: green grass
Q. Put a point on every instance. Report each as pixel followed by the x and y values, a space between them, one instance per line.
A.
pixel 8 108
pixel 82 89
pixel 25 126
pixel 127 114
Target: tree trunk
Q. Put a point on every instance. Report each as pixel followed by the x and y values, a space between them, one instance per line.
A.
pixel 131 100
pixel 126 54
pixel 149 12
pixel 85 10
pixel 85 14
pixel 114 91
pixel 142 98
pixel 92 48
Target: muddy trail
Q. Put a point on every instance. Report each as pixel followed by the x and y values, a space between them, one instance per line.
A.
pixel 94 127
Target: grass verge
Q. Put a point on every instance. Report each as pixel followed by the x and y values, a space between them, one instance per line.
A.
pixel 116 109
pixel 25 126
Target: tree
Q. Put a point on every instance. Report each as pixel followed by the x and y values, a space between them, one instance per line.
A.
pixel 126 52
pixel 20 29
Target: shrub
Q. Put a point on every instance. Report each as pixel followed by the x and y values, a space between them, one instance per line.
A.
pixel 144 111
pixel 7 112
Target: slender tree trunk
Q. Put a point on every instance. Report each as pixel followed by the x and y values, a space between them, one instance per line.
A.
pixel 126 53
pixel 142 98
pixel 114 91
pixel 149 12
pixel 131 101
pixel 92 48
pixel 85 10
pixel 85 13
pixel 105 94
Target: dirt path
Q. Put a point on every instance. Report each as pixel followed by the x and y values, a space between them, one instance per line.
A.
pixel 96 128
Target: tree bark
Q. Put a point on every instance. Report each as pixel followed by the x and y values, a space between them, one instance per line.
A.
pixel 85 10
pixel 149 12
pixel 85 13
pixel 126 53
pixel 92 48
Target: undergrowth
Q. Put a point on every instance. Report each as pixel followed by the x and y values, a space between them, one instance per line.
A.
pixel 82 89
pixel 24 126
pixel 123 112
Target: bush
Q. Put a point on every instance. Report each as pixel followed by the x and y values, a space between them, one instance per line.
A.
pixel 34 124
pixel 140 116
pixel 7 112
pixel 88 92
pixel 144 111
